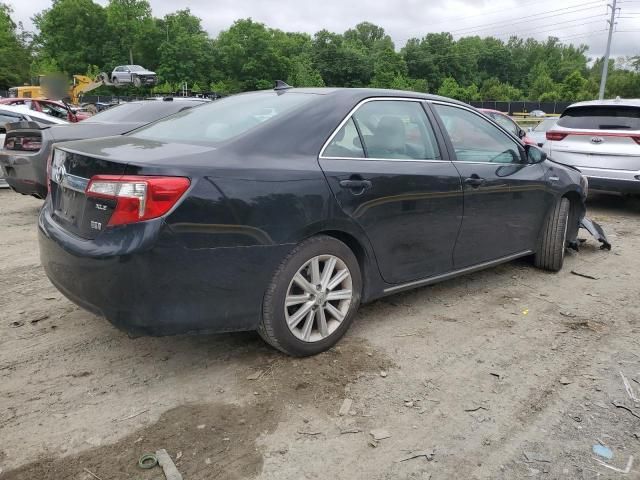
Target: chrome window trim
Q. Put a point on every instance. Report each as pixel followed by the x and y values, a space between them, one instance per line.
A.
pixel 355 109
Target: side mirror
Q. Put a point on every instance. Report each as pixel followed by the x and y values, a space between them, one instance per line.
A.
pixel 521 133
pixel 535 154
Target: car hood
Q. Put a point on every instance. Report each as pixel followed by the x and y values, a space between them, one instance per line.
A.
pixel 89 129
pixel 144 72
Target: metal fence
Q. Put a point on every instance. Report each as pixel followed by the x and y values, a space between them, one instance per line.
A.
pixel 523 106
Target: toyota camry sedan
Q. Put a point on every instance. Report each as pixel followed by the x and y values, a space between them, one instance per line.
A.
pixel 221 218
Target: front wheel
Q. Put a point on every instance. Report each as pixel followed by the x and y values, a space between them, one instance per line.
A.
pixel 553 242
pixel 136 81
pixel 312 298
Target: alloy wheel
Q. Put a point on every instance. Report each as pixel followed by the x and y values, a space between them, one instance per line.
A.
pixel 318 298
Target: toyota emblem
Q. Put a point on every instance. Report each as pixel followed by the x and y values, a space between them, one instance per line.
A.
pixel 596 140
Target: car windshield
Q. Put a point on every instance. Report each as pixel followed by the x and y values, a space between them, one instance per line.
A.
pixel 136 68
pixel 601 117
pixel 545 125
pixel 224 119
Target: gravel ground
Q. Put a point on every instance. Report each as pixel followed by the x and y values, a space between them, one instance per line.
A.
pixel 504 374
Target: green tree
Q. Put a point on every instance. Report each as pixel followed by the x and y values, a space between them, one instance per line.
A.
pixel 15 56
pixel 72 35
pixel 186 52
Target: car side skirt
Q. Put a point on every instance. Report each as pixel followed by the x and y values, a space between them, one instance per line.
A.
pixel 455 273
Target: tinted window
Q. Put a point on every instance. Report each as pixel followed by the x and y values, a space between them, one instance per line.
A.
pixel 144 112
pixel 475 139
pixel 346 143
pixel 505 122
pixel 224 119
pixel 54 110
pixel 396 130
pixel 601 117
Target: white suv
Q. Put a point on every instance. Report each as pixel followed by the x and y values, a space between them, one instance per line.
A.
pixel 602 139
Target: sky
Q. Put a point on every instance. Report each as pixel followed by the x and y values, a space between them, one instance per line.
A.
pixel 573 21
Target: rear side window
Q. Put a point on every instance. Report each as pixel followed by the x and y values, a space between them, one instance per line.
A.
pixel 224 119
pixel 601 117
pixel 396 129
pixel 346 143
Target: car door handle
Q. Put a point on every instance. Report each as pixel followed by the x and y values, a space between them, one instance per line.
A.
pixel 353 184
pixel 474 180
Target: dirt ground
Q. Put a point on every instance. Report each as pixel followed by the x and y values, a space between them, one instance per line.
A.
pixel 504 374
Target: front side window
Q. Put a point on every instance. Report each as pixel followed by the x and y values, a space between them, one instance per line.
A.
pixel 475 139
pixel 346 143
pixel 396 129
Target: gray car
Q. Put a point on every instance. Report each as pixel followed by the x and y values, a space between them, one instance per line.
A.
pixel 133 74
pixel 25 169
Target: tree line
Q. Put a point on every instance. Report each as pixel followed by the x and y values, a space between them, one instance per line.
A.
pixel 83 37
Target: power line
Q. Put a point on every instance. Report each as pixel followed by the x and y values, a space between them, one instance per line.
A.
pixel 490 12
pixel 538 16
pixel 538 29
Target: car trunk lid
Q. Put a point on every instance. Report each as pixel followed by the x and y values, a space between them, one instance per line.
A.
pixel 79 214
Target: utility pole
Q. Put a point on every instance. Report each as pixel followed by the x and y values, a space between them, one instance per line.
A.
pixel 605 65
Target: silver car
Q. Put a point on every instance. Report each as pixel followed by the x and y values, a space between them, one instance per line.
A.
pixel 133 74
pixel 602 139
pixel 539 132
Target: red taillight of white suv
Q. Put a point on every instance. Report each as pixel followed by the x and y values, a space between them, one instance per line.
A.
pixel 555 136
pixel 138 198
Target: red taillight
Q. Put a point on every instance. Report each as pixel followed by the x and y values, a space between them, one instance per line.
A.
pixel 637 139
pixel 556 136
pixel 138 198
pixel 27 144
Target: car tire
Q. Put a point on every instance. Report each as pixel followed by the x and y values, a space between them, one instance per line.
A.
pixel 136 81
pixel 115 81
pixel 553 242
pixel 278 326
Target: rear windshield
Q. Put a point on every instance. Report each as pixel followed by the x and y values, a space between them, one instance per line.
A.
pixel 223 119
pixel 601 117
pixel 146 112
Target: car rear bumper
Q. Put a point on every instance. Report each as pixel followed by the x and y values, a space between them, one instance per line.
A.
pixel 145 282
pixel 24 174
pixel 623 181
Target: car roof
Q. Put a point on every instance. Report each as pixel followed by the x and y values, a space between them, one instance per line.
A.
pixel 617 102
pixel 32 113
pixel 364 93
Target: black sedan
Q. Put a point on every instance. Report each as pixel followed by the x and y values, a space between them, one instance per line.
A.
pixel 27 146
pixel 281 211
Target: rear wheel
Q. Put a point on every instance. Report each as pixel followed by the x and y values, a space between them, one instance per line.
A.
pixel 115 81
pixel 551 250
pixel 312 298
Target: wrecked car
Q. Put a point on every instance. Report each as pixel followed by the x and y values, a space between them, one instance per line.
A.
pixel 220 218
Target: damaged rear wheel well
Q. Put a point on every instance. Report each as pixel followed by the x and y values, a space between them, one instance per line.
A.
pixel 576 212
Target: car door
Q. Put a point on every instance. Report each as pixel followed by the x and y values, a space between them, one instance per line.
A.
pixel 505 197
pixel 391 175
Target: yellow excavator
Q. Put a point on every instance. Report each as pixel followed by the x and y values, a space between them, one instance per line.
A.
pixel 55 87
